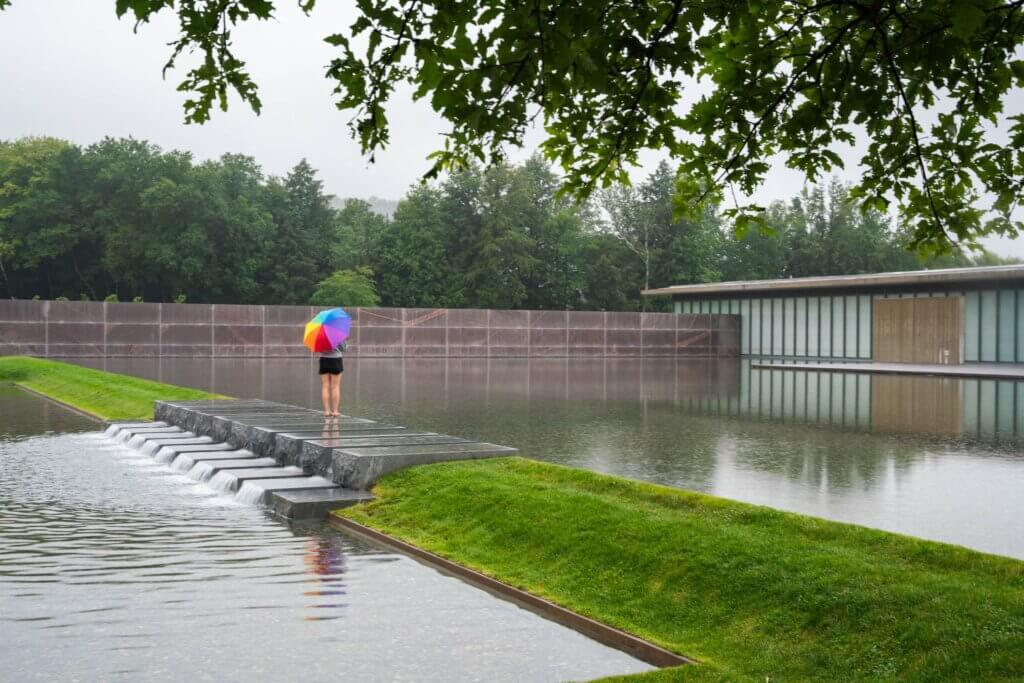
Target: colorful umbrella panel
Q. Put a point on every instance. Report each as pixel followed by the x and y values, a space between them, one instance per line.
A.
pixel 327 330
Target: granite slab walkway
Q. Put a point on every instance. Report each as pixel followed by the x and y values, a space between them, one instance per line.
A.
pixel 259 444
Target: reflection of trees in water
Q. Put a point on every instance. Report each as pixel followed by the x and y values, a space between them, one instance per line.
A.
pixel 825 459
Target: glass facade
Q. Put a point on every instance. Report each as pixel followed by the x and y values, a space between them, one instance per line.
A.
pixel 840 326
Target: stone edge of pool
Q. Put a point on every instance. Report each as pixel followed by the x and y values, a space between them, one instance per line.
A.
pixel 67 406
pixel 606 635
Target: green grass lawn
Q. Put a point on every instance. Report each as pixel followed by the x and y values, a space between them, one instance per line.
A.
pixel 104 394
pixel 751 592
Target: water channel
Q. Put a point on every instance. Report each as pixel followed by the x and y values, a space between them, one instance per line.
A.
pixel 930 457
pixel 113 567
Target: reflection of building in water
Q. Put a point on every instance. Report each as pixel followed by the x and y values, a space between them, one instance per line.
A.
pixel 940 406
pixel 932 405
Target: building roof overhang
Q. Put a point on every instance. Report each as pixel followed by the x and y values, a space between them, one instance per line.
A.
pixel 915 278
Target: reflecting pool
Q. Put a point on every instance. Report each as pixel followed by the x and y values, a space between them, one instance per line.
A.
pixel 930 457
pixel 113 567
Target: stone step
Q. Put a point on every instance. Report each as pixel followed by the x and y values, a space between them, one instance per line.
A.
pixel 233 479
pixel 207 402
pixel 425 449
pixel 275 472
pixel 266 417
pixel 310 504
pixel 129 425
pixel 413 439
pixel 240 463
pixel 231 454
pixel 260 490
pixel 271 420
pixel 183 439
pixel 359 468
pixel 170 429
pixel 178 448
pixel 289 446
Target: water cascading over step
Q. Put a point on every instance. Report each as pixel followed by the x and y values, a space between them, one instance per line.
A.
pixel 226 469
pixel 250 494
pixel 224 481
pixel 201 471
pixel 164 455
pixel 183 464
pixel 286 457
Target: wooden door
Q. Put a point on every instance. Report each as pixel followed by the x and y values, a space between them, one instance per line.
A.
pixel 893 331
pixel 927 330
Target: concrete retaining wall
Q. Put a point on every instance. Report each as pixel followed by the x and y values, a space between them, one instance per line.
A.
pixel 97 329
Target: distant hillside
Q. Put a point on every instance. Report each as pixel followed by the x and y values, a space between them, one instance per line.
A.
pixel 385 207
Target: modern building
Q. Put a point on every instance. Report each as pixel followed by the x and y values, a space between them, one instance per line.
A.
pixel 950 316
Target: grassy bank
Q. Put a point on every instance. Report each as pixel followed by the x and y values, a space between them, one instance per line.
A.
pixel 752 592
pixel 104 394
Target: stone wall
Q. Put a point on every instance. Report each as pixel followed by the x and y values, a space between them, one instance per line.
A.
pixel 98 329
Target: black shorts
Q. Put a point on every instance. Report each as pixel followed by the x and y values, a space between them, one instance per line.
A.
pixel 331 366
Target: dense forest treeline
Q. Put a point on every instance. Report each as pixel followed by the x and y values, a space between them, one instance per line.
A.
pixel 124 219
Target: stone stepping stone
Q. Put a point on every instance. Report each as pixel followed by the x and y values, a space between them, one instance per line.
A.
pixel 133 431
pixel 199 448
pixel 258 491
pixel 359 468
pixel 129 425
pixel 308 504
pixel 232 479
pixel 171 454
pixel 255 415
pixel 289 446
pixel 199 403
pixel 183 439
pixel 311 430
pixel 234 454
pixel 240 463
pixel 204 470
pixel 415 449
pixel 390 440
pixel 285 420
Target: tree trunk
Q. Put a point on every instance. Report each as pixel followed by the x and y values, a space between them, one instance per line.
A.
pixel 92 292
pixel 7 283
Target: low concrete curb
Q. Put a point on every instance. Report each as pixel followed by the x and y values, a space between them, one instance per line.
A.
pixel 62 404
pixel 602 633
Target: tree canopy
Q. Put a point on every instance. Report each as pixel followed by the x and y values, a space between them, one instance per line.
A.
pixel 346 288
pixel 124 219
pixel 924 81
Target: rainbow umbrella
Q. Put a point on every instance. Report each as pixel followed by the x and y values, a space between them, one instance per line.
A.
pixel 328 329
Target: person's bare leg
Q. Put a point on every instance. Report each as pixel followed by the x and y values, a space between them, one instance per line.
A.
pixel 335 393
pixel 325 393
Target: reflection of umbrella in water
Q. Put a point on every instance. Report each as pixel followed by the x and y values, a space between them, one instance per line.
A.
pixel 326 330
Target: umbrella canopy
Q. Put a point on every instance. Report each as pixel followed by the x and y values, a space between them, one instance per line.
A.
pixel 326 330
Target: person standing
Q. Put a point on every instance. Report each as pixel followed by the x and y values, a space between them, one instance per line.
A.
pixel 331 366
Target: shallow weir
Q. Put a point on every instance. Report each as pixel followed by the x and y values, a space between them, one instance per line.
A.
pixel 131 570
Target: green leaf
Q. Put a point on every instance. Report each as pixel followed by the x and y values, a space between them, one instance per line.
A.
pixel 966 18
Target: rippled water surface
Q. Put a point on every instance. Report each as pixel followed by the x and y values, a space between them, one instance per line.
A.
pixel 936 458
pixel 113 567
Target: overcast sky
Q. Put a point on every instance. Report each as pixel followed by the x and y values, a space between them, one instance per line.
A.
pixel 70 69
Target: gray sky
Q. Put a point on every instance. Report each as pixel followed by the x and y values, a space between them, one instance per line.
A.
pixel 70 69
